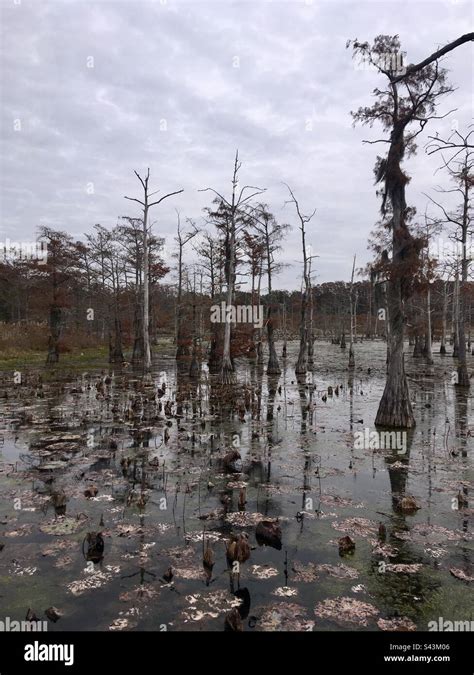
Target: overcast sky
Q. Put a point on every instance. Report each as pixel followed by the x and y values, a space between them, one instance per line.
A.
pixel 102 87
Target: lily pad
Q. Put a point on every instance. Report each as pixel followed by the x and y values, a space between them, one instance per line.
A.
pixel 346 610
pixel 61 526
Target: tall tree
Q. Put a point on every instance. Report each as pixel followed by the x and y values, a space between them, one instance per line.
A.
pixel 302 362
pixel 182 238
pixel 407 101
pixel 353 309
pixel 235 217
pixel 271 233
pixel 460 169
pixel 146 205
pixel 58 272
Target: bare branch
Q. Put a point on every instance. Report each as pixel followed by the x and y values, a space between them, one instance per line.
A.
pixel 170 194
pixel 132 199
pixel 412 69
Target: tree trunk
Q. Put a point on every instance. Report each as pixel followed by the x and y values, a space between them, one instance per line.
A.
pixel 182 342
pixel 395 407
pixel 417 351
pixel 302 362
pixel 146 294
pixel 138 351
pixel 352 310
pixel 55 332
pixel 194 368
pixel 273 367
pixel 442 349
pixel 463 375
pixel 455 317
pixel 116 352
pixel 429 346
pixel 215 350
pixel 227 370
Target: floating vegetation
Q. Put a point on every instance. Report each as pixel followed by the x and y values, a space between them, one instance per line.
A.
pixel 285 592
pixel 21 531
pixel 356 527
pixel 403 568
pixel 461 574
pixel 340 571
pixel 93 580
pixel 170 522
pixel 285 617
pixel 346 610
pixel 244 519
pixel 62 526
pixel 18 570
pixel 384 550
pixel 263 571
pixel 209 605
pixel 304 573
pixel 401 623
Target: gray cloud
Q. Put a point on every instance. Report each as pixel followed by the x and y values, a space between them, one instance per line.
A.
pixel 285 106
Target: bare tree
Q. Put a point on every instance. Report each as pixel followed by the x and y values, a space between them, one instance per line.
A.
pixel 352 304
pixel 460 168
pixel 236 210
pixel 146 206
pixel 106 256
pixel 271 233
pixel 182 238
pixel 302 362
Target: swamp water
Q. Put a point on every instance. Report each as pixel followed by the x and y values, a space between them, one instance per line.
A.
pixel 162 489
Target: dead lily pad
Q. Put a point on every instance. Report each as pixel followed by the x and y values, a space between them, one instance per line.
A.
pixel 340 571
pixel 61 526
pixel 403 569
pixel 401 623
pixel 93 580
pixel 336 501
pixel 285 592
pixel 346 610
pixel 357 527
pixel 263 571
pixel 423 533
pixel 242 519
pixel 304 573
pixel 20 531
pixel 285 616
pixel 384 550
pixel 188 572
pixel 460 574
pixel 209 605
pixel 56 547
pixel 141 593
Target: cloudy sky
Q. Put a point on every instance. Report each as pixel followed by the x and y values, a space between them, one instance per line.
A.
pixel 92 90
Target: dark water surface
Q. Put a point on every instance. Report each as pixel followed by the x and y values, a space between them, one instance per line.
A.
pixel 299 465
